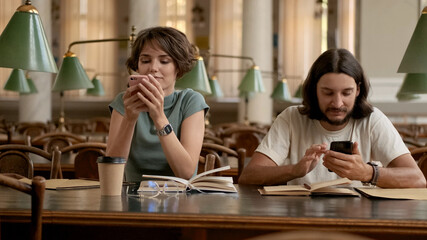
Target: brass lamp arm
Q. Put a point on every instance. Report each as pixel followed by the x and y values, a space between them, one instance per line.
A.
pixel 131 38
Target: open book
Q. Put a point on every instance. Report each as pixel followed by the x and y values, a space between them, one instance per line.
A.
pixel 200 182
pixel 321 188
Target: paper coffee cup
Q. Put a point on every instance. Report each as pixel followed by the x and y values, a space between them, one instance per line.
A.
pixel 111 171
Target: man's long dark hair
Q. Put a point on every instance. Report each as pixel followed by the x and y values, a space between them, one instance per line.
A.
pixel 335 61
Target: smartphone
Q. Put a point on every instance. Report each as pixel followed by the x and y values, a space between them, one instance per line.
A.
pixel 342 146
pixel 135 79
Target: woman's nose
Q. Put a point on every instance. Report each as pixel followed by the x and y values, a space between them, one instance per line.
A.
pixel 154 67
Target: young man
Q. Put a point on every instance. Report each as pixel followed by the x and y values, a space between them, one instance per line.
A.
pixel 335 108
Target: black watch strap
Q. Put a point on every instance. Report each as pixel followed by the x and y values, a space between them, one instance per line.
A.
pixel 375 174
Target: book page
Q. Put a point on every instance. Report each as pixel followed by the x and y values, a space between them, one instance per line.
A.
pixel 285 188
pixel 339 181
pixel 208 172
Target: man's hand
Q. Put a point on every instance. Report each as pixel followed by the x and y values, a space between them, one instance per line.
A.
pixel 345 165
pixel 310 159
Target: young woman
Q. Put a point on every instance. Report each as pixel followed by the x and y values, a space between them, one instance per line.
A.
pixel 157 128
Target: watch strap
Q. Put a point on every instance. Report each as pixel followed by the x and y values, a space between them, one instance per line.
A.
pixel 375 174
pixel 165 130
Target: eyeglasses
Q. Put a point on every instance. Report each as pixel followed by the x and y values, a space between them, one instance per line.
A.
pixel 152 189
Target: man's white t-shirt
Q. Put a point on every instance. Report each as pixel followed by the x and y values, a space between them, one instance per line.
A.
pixel 292 134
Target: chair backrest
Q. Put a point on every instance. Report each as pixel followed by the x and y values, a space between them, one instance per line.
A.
pixel 33 129
pixel 36 190
pixel 206 163
pixel 246 137
pixel 86 154
pixel 420 155
pixel 56 139
pixel 15 158
pixel 222 156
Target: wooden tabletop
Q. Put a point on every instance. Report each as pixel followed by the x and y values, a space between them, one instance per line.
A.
pixel 239 215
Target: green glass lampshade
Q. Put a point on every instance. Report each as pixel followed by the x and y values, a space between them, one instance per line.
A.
pixel 415 58
pixel 33 88
pixel 215 87
pixel 17 82
pixel 298 93
pixel 98 90
pixel 196 79
pixel 252 82
pixel 281 91
pixel 402 97
pixel 71 75
pixel 414 83
pixel 23 43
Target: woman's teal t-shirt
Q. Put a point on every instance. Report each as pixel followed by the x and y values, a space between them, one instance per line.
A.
pixel 146 154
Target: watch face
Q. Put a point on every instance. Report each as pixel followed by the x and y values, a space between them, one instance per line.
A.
pixel 168 129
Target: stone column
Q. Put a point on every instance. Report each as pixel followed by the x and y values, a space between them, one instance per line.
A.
pixel 258 44
pixel 38 107
pixel 143 14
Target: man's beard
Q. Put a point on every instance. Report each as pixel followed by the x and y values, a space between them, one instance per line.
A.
pixel 337 122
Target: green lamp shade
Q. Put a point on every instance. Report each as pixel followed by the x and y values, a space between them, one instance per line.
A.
pixel 401 97
pixel 98 90
pixel 215 87
pixel 17 82
pixel 252 82
pixel 196 79
pixel 414 83
pixel 33 88
pixel 298 93
pixel 415 58
pixel 71 75
pixel 281 91
pixel 23 43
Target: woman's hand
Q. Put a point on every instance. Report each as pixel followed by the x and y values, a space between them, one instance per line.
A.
pixel 132 103
pixel 152 96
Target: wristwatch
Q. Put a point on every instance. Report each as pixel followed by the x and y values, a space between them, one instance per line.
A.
pixel 375 174
pixel 166 130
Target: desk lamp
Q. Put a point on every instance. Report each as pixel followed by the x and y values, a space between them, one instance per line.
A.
pixel 414 62
pixel 23 43
pixel 196 79
pixel 98 89
pixel 17 82
pixel 251 83
pixel 215 87
pixel 72 76
pixel 281 91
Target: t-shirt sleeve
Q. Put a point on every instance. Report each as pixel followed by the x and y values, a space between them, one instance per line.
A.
pixel 117 104
pixel 193 102
pixel 387 142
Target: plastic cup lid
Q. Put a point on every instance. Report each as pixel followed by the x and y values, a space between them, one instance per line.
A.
pixel 105 159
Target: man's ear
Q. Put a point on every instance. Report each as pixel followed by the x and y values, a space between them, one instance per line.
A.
pixel 358 90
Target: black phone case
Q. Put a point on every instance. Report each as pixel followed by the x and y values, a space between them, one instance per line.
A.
pixel 342 146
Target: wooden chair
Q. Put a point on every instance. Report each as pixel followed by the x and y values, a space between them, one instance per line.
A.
pixel 86 154
pixel 33 129
pixel 57 139
pixel 15 158
pixel 213 139
pixel 6 129
pixel 222 157
pixel 246 137
pixel 36 190
pixel 206 163
pixel 420 155
pixel 77 126
pixel 100 124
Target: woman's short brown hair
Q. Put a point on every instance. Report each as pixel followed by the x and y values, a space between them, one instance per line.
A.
pixel 170 40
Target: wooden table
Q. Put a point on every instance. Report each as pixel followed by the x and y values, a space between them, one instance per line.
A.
pixel 84 214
